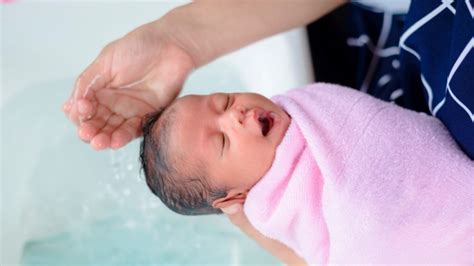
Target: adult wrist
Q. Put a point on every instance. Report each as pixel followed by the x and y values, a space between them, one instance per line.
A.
pixel 181 29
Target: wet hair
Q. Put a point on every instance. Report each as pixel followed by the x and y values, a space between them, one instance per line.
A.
pixel 189 194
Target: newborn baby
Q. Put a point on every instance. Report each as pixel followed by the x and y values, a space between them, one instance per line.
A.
pixel 336 175
pixel 205 152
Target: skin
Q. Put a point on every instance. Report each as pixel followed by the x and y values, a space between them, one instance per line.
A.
pixel 221 133
pixel 153 61
pixel 145 70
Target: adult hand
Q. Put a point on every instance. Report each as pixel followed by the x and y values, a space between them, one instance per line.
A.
pixel 237 216
pixel 132 76
pixel 145 70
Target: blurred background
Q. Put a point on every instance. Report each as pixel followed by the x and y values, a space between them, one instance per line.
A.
pixel 63 203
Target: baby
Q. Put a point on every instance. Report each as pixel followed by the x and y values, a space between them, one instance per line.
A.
pixel 335 174
pixel 205 152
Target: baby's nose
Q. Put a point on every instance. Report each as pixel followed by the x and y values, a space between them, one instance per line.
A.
pixel 238 114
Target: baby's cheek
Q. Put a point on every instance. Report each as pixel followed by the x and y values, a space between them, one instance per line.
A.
pixel 265 154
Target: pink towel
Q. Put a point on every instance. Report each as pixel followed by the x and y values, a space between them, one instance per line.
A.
pixel 359 180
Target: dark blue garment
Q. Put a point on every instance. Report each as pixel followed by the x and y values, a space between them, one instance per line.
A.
pixel 423 61
pixel 438 43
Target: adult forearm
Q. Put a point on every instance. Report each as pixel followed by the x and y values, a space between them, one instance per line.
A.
pixel 276 248
pixel 209 29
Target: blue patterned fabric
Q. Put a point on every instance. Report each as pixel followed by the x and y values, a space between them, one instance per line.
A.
pixel 423 61
pixel 437 45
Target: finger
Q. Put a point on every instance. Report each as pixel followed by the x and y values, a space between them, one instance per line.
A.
pixel 73 115
pixel 127 103
pixel 89 129
pixel 93 77
pixel 86 85
pixel 83 109
pixel 67 106
pixel 86 109
pixel 102 139
pixel 119 139
pixel 126 132
pixel 84 97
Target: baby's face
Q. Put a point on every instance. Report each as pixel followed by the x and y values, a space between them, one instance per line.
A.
pixel 232 135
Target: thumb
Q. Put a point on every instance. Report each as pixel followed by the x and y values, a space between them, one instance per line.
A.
pixel 81 104
pixel 92 79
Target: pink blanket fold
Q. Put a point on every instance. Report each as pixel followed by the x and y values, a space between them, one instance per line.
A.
pixel 358 180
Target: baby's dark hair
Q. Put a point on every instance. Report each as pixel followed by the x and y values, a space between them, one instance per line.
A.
pixel 187 195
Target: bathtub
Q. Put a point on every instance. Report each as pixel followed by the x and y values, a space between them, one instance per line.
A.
pixel 63 203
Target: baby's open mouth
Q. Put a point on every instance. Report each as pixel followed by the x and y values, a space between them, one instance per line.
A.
pixel 266 122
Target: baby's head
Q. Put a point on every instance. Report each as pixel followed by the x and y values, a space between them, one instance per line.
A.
pixel 205 152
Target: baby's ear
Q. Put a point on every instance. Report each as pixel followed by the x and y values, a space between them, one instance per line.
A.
pixel 232 197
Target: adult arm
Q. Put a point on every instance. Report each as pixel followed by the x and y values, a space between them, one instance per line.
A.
pixel 208 29
pixel 146 69
pixel 276 248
